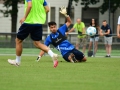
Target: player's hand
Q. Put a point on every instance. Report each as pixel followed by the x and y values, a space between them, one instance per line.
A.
pixel 63 10
pixel 66 33
pixel 101 34
pixel 118 36
pixel 22 20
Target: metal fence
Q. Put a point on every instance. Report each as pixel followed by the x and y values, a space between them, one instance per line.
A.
pixel 7 40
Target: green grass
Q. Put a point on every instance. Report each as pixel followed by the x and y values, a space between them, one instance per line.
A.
pixel 34 51
pixel 95 74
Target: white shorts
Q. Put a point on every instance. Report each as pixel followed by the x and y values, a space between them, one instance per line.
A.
pixel 95 39
pixel 108 40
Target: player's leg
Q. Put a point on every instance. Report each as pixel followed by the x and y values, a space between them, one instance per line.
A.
pixel 90 44
pixel 78 43
pixel 109 45
pixel 68 57
pixel 36 36
pixel 80 57
pixel 96 44
pixel 106 45
pixel 21 35
pixel 84 41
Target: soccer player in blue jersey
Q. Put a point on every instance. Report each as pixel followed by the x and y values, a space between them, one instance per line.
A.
pixel 58 39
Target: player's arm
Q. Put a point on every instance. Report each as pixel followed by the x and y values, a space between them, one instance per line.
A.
pixel 47 43
pixel 108 32
pixel 68 19
pixel 98 28
pixel 46 6
pixel 83 29
pixel 101 33
pixel 29 6
pixel 118 28
pixel 71 30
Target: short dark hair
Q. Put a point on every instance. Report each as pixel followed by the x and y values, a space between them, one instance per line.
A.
pixel 104 20
pixel 51 23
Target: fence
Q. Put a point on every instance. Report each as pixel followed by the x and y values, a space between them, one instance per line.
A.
pixel 7 40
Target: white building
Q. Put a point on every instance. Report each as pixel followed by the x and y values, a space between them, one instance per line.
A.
pixel 77 12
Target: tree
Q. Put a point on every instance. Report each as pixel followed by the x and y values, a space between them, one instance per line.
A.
pixel 111 5
pixel 12 10
pixel 108 5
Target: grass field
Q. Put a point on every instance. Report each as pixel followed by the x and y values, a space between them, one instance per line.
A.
pixel 95 74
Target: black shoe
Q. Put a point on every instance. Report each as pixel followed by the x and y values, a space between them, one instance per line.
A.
pixel 107 56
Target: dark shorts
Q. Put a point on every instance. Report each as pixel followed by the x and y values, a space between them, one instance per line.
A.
pixel 34 30
pixel 78 55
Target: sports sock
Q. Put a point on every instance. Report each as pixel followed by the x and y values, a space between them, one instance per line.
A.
pixel 18 59
pixel 50 53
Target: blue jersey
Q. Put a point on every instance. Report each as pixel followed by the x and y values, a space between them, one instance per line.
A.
pixel 65 46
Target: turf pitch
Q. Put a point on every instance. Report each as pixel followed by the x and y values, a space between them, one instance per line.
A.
pixel 95 74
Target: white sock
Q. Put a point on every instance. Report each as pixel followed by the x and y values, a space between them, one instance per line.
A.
pixel 18 59
pixel 50 53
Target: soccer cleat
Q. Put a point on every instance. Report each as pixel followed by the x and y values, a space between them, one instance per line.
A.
pixel 55 63
pixel 38 58
pixel 107 56
pixel 13 62
pixel 55 60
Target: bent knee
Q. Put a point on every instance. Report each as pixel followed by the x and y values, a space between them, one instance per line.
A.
pixel 84 59
pixel 18 40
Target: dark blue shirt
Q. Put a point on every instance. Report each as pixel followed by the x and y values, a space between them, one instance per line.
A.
pixel 105 29
pixel 65 46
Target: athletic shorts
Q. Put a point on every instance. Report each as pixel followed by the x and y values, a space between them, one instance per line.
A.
pixel 96 39
pixel 78 55
pixel 108 40
pixel 34 30
pixel 82 41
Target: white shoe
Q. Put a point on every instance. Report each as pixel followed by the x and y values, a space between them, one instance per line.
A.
pixel 38 58
pixel 13 62
pixel 55 59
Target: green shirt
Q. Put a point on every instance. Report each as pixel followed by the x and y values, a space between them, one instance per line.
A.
pixel 79 28
pixel 37 14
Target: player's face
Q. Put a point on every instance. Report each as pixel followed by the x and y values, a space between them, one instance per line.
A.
pixel 104 23
pixel 78 21
pixel 53 28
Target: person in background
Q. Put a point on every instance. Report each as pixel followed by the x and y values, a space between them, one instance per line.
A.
pixel 81 38
pixel 107 33
pixel 94 38
pixel 118 28
pixel 31 23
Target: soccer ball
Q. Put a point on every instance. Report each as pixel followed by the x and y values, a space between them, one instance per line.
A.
pixel 91 31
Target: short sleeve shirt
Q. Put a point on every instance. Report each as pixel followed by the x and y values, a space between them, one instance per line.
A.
pixel 105 29
pixel 79 28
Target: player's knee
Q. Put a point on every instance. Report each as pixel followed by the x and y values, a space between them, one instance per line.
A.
pixel 36 43
pixel 18 41
pixel 84 59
